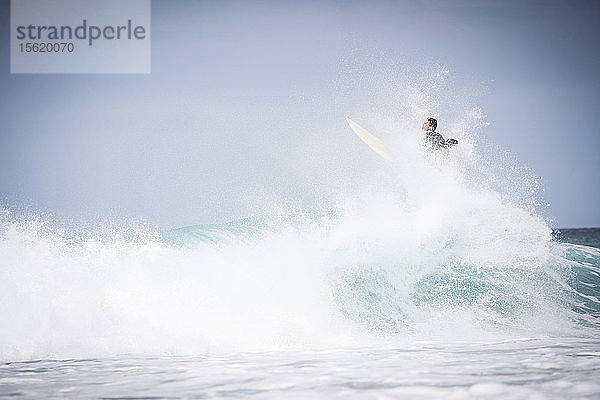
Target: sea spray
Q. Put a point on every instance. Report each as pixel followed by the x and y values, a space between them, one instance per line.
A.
pixel 386 272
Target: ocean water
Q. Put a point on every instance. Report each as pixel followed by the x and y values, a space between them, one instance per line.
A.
pixel 514 369
pixel 583 236
pixel 306 305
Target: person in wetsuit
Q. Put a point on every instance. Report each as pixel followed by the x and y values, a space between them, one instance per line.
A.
pixel 434 140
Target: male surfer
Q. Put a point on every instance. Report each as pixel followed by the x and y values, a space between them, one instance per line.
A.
pixel 433 139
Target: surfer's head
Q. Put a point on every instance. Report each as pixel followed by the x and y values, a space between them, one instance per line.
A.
pixel 430 124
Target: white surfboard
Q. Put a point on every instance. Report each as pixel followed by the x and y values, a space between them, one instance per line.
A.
pixel 372 141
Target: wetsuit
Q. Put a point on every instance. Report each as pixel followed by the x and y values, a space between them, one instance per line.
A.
pixel 437 141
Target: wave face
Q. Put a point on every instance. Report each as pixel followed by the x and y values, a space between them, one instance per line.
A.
pixel 380 271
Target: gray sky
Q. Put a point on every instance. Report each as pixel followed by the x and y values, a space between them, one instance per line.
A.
pixel 244 108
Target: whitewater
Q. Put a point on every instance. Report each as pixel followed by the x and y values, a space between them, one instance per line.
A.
pixel 436 278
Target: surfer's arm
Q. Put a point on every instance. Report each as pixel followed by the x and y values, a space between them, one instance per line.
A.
pixel 451 142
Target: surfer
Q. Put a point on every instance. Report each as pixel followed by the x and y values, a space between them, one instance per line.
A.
pixel 433 139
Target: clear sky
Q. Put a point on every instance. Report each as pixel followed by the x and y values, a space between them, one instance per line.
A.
pixel 245 105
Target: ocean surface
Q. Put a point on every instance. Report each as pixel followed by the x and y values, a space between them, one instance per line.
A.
pixel 583 236
pixel 347 316
pixel 514 369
